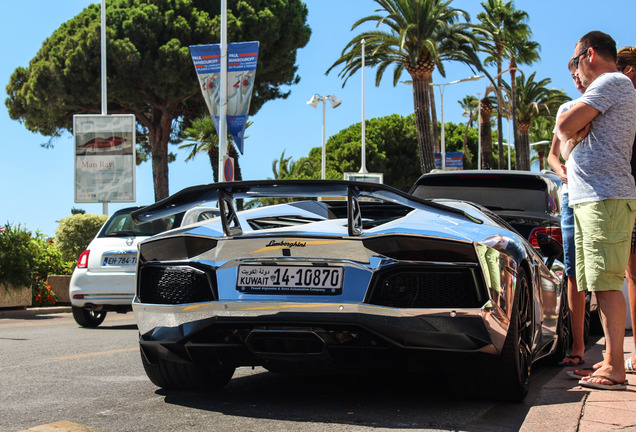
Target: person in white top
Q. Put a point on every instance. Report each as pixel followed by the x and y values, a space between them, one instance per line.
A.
pixel 576 299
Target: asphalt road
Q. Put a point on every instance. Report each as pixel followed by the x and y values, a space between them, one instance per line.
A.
pixel 57 376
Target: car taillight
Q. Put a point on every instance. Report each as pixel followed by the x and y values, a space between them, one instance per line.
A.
pixel 82 261
pixel 551 231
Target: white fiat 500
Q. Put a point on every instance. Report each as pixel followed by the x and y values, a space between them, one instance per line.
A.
pixel 104 278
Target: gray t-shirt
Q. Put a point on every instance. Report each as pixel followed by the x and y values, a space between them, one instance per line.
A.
pixel 599 166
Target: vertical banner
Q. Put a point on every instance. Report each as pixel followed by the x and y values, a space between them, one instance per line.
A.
pixel 104 158
pixel 241 70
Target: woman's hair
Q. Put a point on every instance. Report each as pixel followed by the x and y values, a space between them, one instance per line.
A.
pixel 626 57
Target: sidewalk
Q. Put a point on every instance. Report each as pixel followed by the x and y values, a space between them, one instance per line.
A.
pixel 32 312
pixel 564 405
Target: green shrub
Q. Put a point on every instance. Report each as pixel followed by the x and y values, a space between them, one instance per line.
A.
pixel 16 256
pixel 75 232
pixel 26 258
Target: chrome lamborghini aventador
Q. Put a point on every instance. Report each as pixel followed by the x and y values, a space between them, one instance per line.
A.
pixel 342 275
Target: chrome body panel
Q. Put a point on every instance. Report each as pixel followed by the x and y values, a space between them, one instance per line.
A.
pixel 222 327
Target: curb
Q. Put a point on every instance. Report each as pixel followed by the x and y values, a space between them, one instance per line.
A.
pixel 33 311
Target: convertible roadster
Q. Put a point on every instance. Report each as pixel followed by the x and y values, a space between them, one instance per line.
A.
pixel 341 275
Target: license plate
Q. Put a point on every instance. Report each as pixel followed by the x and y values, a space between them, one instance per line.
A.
pixel 290 280
pixel 119 260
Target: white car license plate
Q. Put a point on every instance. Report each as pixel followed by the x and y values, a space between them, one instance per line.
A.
pixel 290 279
pixel 119 260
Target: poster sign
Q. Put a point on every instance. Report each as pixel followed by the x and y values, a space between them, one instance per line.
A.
pixel 365 177
pixel 241 70
pixel 454 161
pixel 104 158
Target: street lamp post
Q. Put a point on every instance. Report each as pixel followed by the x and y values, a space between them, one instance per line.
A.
pixel 478 131
pixel 441 90
pixel 335 103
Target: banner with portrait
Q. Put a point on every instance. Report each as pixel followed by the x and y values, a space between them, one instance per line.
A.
pixel 241 70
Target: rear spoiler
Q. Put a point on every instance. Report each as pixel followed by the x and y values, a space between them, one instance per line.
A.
pixel 225 193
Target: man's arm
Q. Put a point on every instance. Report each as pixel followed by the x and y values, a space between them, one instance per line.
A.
pixel 554 161
pixel 574 120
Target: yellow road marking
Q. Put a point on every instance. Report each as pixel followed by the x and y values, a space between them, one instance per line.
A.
pixel 62 426
pixel 93 354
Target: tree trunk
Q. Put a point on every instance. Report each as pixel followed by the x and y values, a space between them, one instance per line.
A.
pixel 425 142
pixel 541 154
pixel 434 116
pixel 500 151
pixel 159 127
pixel 469 124
pixel 486 134
pixel 522 156
pixel 522 147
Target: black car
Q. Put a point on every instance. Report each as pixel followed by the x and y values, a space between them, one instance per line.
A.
pixel 528 201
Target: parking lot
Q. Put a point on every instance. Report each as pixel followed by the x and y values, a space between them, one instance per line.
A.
pixel 56 374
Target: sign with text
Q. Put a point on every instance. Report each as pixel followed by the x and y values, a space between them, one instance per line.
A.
pixel 454 160
pixel 241 70
pixel 104 158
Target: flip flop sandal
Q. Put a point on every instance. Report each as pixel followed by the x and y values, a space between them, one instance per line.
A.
pixel 629 366
pixel 591 384
pixel 580 373
pixel 579 361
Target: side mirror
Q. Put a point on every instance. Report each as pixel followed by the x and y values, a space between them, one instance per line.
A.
pixel 550 247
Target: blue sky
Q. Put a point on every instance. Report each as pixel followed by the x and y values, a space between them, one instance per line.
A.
pixel 36 184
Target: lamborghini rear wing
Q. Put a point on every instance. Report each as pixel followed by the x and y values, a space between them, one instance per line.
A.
pixel 226 193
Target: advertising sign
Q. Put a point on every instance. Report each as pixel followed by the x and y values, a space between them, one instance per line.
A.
pixel 104 158
pixel 454 161
pixel 365 177
pixel 241 70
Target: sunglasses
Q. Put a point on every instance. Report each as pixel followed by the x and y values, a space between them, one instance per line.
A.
pixel 576 59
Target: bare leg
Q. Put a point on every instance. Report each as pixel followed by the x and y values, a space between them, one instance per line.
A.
pixel 612 309
pixel 576 302
pixel 630 274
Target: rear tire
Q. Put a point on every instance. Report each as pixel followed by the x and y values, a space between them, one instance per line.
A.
pixel 186 376
pixel 563 331
pixel 88 318
pixel 513 379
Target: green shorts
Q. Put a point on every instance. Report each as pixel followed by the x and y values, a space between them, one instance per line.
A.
pixel 602 238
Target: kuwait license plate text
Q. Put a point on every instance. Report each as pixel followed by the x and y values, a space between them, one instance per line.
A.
pixel 290 279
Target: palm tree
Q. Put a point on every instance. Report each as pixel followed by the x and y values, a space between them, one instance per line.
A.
pixel 470 105
pixel 526 52
pixel 420 35
pixel 533 100
pixel 542 130
pixel 506 27
pixel 487 107
pixel 201 137
pixel 286 168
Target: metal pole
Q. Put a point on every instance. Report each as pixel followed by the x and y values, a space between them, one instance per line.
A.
pixel 509 145
pixel 363 159
pixel 104 77
pixel 441 89
pixel 479 131
pixel 324 135
pixel 223 107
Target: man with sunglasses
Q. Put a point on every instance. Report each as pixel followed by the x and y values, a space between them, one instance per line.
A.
pixel 602 190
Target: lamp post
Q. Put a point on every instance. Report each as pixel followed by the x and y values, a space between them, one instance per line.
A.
pixel 478 131
pixel 335 103
pixel 441 90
